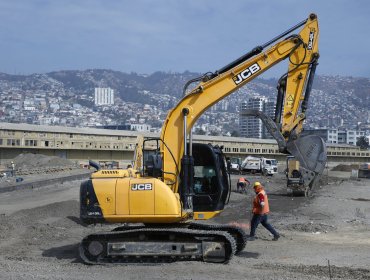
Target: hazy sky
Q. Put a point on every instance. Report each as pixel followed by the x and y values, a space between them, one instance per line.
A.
pixel 173 35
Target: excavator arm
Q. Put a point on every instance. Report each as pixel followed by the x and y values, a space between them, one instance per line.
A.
pixel 294 87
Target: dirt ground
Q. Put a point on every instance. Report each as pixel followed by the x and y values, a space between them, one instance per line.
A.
pixel 40 232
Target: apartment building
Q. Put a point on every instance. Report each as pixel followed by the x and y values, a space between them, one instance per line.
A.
pixel 104 96
pixel 253 127
pixel 335 136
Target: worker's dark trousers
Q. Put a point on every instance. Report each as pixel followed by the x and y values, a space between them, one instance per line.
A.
pixel 263 220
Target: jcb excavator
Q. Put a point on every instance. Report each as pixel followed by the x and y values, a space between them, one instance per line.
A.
pixel 175 181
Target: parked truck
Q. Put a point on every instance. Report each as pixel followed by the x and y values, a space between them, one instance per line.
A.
pixel 364 170
pixel 234 165
pixel 266 166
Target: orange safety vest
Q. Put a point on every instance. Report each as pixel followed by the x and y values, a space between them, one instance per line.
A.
pixel 242 180
pixel 257 209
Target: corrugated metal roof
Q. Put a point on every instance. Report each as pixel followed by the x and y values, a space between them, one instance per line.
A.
pixel 234 139
pixel 67 129
pixel 110 132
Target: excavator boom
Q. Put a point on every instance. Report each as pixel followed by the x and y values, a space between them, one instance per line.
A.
pixel 293 95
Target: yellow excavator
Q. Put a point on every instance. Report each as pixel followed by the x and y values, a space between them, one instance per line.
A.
pixel 175 182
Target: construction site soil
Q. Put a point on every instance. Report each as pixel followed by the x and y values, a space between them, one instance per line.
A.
pixel 29 160
pixel 326 236
pixel 345 167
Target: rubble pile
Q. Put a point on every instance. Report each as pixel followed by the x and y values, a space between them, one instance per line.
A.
pixel 28 163
pixel 345 167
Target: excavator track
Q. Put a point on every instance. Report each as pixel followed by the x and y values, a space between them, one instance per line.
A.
pixel 157 245
pixel 236 232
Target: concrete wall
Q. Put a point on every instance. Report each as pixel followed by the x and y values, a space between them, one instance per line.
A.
pixel 79 144
pixel 124 157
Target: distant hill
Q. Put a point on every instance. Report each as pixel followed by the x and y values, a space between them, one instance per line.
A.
pixel 333 96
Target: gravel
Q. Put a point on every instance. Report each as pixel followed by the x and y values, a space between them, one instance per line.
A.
pixel 40 233
pixel 310 227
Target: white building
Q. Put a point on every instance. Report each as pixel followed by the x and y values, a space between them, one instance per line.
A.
pixel 141 127
pixel 104 96
pixel 222 105
pixel 353 135
pixel 29 108
pixel 335 136
pixel 253 127
pixel 269 108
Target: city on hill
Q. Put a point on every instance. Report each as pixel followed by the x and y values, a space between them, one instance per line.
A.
pixel 113 99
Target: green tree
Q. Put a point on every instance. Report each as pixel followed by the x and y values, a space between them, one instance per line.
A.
pixel 363 143
pixel 235 133
pixel 199 131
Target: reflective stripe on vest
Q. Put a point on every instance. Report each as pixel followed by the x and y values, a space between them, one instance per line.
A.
pixel 257 209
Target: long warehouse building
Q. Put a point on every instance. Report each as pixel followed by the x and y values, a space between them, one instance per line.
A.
pixel 82 144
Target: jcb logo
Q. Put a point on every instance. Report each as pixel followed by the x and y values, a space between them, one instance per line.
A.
pixel 310 40
pixel 141 187
pixel 254 68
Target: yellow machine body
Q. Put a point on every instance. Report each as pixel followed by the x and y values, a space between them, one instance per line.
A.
pixel 292 165
pixel 123 198
pixel 135 199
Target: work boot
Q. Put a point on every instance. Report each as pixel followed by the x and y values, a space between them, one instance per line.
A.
pixel 276 238
pixel 251 238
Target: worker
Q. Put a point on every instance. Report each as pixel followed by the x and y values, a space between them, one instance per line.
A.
pixel 260 212
pixel 228 164
pixel 242 184
pixel 130 170
pixel 13 168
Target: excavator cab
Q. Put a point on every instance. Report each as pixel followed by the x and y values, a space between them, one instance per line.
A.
pixel 211 184
pixel 153 165
pixel 209 187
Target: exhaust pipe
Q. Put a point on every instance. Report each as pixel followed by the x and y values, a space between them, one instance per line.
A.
pixel 95 165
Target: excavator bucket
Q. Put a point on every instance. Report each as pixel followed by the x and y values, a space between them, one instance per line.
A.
pixel 310 151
